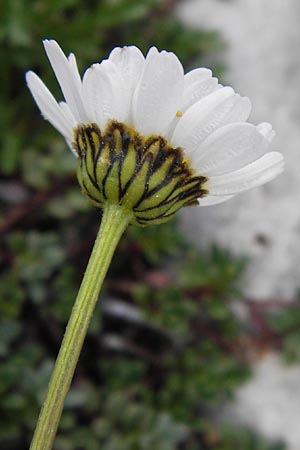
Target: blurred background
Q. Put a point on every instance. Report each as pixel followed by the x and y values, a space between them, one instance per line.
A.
pixel 195 342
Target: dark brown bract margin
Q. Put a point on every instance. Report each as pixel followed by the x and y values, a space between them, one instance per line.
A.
pixel 143 174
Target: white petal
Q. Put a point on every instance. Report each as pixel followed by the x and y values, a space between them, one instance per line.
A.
pixel 67 75
pixel 240 111
pixel 198 83
pixel 196 75
pixel 49 107
pixel 229 148
pixel 104 93
pixel 214 199
pixel 72 123
pixel 159 92
pixel 255 174
pixel 266 130
pixel 202 119
pixel 130 63
pixel 68 115
pixel 75 72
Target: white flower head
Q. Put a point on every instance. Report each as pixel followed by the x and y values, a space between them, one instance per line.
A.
pixel 157 111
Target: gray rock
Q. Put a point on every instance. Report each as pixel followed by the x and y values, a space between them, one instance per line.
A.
pixel 263 62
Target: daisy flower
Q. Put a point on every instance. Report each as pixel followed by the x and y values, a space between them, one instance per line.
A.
pixel 153 139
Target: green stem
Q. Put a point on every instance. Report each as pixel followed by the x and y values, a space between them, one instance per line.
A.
pixel 114 222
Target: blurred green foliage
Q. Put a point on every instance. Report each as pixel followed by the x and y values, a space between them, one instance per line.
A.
pixel 161 356
pixel 285 323
pixel 163 351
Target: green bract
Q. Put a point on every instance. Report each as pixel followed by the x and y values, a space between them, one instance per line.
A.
pixel 143 174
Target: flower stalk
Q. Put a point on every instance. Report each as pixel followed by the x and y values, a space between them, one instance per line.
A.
pixel 114 222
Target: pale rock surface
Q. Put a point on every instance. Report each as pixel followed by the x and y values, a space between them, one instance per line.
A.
pixel 262 57
pixel 270 402
pixel 263 62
